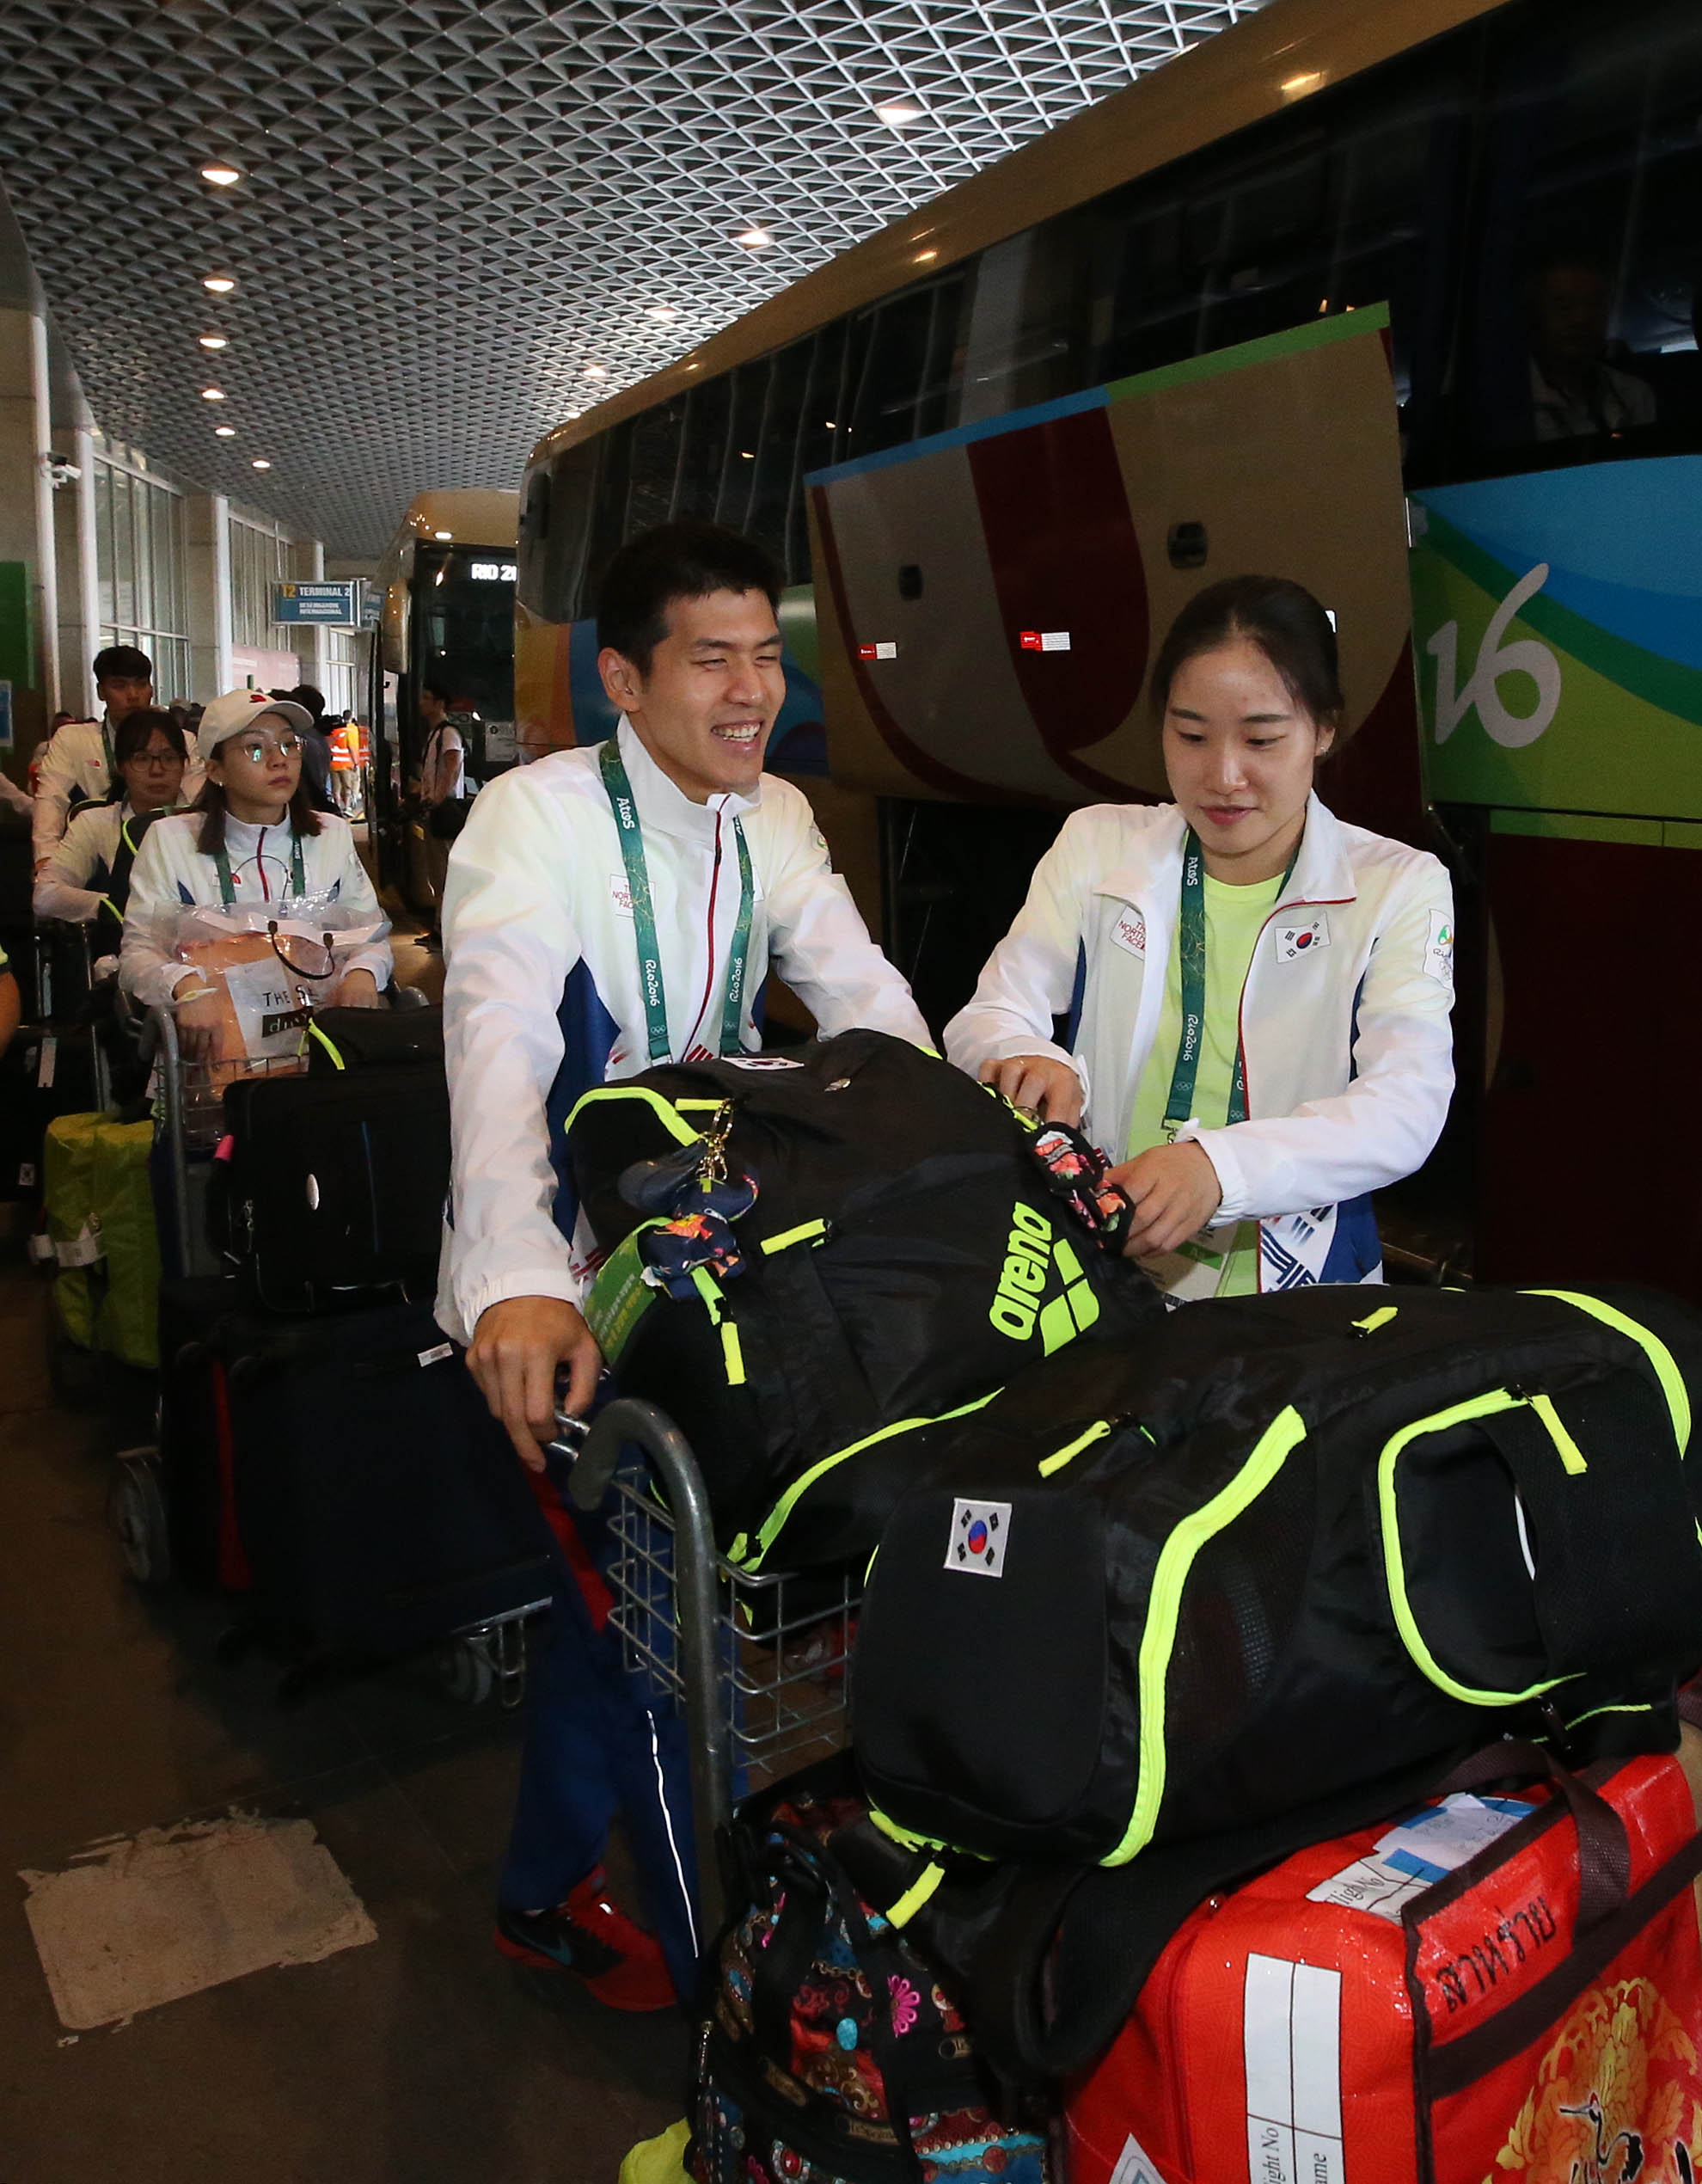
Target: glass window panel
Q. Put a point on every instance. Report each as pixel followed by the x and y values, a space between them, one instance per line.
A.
pixel 655 464
pixel 744 430
pixel 124 553
pixel 103 542
pixel 707 411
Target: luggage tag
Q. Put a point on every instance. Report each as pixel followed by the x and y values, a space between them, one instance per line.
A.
pixel 688 1196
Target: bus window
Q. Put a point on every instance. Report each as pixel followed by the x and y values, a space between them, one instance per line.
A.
pixel 705 446
pixel 822 434
pixel 1582 333
pixel 657 437
pixel 1022 342
pixel 608 505
pixel 908 380
pixel 776 482
pixel 749 396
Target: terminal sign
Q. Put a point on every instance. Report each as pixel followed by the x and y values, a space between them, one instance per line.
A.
pixel 337 605
pixel 492 572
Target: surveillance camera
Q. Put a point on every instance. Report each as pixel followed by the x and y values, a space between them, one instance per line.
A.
pixel 61 470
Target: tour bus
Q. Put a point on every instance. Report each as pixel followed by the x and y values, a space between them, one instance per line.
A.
pixel 446 616
pixel 996 446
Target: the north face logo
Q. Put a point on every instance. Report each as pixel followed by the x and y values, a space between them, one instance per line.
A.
pixel 1033 1261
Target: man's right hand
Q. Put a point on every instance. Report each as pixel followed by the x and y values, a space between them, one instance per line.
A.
pixel 516 1347
pixel 1040 1082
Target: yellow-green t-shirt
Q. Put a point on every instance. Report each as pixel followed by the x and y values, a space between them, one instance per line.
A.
pixel 1234 917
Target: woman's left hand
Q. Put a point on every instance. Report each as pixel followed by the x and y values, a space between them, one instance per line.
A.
pixel 1174 1191
pixel 355 990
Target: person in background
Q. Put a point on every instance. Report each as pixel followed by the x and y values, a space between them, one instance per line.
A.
pixel 1260 994
pixel 1575 391
pixel 316 746
pixel 88 876
pixel 76 764
pixel 252 837
pixel 666 849
pixel 443 786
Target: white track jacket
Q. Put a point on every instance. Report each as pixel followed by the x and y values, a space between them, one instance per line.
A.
pixel 1349 1053
pixel 170 873
pixel 73 766
pixel 541 999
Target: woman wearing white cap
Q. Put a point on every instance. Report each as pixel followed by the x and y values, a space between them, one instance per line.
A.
pixel 251 836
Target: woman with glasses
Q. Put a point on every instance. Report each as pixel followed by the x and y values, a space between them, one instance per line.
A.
pixel 251 837
pixel 86 878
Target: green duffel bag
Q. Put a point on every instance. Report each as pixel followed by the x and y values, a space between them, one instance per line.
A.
pixel 100 1217
pixel 67 1199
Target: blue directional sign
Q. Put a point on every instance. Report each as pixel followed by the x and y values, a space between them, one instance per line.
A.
pixel 337 605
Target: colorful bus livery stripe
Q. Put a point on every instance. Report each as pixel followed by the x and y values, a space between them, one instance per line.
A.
pixel 1588 698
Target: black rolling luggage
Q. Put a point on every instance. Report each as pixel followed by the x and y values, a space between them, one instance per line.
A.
pixel 333 1187
pixel 45 1072
pixel 378 1505
pixel 196 1457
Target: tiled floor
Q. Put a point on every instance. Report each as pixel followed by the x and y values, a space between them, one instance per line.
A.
pixel 422 2058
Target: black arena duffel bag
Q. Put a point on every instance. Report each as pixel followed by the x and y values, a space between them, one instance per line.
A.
pixel 905 1255
pixel 1285 1545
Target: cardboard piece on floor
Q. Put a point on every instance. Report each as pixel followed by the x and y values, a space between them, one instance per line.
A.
pixel 146 1919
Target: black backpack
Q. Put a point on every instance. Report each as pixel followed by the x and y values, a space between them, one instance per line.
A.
pixel 905 1256
pixel 1285 1546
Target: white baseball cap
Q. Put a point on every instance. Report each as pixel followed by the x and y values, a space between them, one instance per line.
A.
pixel 238 710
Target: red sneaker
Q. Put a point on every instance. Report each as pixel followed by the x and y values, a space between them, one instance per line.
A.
pixel 590 1935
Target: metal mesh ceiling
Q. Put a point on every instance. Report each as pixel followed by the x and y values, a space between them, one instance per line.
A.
pixel 450 213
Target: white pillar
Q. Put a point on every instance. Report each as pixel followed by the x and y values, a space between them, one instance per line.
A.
pixel 46 546
pixel 87 566
pixel 224 640
pixel 322 636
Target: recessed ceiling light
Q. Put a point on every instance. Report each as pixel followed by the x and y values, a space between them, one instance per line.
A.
pixel 829 425
pixel 899 114
pixel 594 372
pixel 261 462
pixel 214 341
pixel 747 454
pixel 217 171
pixel 755 239
pixel 212 394
pixel 442 534
pixel 225 432
pixel 661 311
pixel 220 283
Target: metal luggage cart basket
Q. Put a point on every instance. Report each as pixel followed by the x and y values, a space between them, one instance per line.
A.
pixel 757 1666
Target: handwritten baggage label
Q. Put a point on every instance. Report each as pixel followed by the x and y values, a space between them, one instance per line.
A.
pixel 1291 2032
pixel 1413 1856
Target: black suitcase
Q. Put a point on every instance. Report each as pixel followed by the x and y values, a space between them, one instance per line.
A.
pixel 365 1039
pixel 196 1455
pixel 378 1504
pixel 334 1187
pixel 65 1060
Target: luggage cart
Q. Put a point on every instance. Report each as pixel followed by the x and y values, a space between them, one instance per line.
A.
pixel 475 1663
pixel 757 1666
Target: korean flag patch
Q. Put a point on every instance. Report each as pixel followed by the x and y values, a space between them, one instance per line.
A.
pixel 980 1531
pixel 1303 936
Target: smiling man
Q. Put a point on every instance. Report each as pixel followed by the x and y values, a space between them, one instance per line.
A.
pixel 607 908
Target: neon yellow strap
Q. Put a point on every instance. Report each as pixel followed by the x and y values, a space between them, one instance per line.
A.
pixel 917 1895
pixel 1571 1456
pixel 903 1835
pixel 731 1355
pixel 1659 1356
pixel 1498 1399
pixel 1279 1439
pixel 113 907
pixel 666 1111
pixel 706 1287
pixel 1059 1457
pixel 329 1045
pixel 772 1523
pixel 806 1232
pixel 1380 1317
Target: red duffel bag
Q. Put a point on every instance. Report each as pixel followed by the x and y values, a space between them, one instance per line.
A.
pixel 1506 1988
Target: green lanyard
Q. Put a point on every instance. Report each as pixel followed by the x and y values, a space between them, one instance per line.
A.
pixel 227 886
pixel 644 917
pixel 1191 951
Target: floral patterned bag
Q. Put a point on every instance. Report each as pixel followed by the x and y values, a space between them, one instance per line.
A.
pixel 832 2054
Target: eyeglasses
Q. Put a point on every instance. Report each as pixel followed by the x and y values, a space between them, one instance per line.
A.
pixel 255 749
pixel 165 757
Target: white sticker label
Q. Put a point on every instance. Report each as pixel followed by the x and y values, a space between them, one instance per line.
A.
pixel 1302 937
pixel 762 1062
pixel 883 649
pixel 1291 2033
pixel 1130 932
pixel 1414 1857
pixel 25 1175
pixel 83 1248
pixel 435 1357
pixel 1134 2165
pixel 1055 640
pixel 979 1533
pixel 620 894
pixel 45 1062
pixel 1439 949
